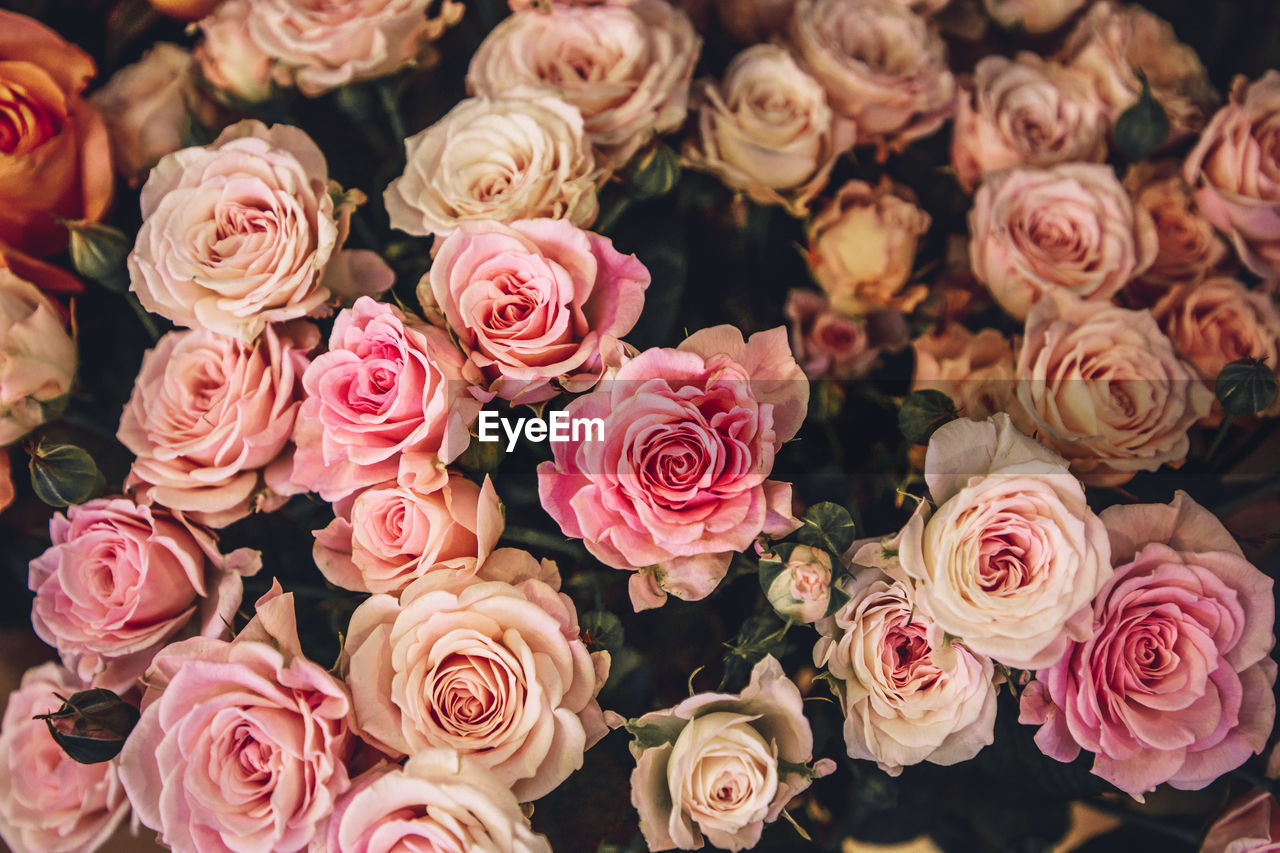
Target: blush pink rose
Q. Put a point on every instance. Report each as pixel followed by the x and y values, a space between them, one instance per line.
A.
pixel 242 745
pixel 828 344
pixel 48 802
pixel 1070 227
pixel 1173 684
pixel 680 480
pixel 230 60
pixel 121 580
pixel 37 357
pixel 388 401
pixel 1250 824
pixel 210 421
pixel 538 306
pixel 490 666
pixel 388 536
pixel 800 590
pixel 1235 171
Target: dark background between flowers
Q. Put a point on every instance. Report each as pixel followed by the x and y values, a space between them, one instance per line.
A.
pixel 713 260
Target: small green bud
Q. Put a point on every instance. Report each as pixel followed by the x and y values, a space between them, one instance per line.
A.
pixel 1245 387
pixel 654 172
pixel 922 413
pixel 98 252
pixel 1142 128
pixel 63 474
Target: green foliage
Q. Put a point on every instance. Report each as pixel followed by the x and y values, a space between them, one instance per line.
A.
pixel 63 474
pixel 922 412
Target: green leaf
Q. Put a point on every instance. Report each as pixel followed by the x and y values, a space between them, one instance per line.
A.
pixel 63 474
pixel 827 525
pixel 1142 128
pixel 92 725
pixel 922 412
pixel 1245 387
pixel 602 630
pixel 648 735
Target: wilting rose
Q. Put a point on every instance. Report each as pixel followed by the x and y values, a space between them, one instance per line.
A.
pixel 1033 16
pixel 909 694
pixel 210 421
pixel 726 764
pixel 503 158
pixel 828 344
pixel 1106 389
pixel 1025 111
pixel 802 580
pixel 1235 170
pixel 766 129
pixel 55 158
pixel 387 402
pixel 1174 682
pixel 438 796
pixel 680 480
pixel 49 803
pixel 538 306
pixel 120 580
pixel 1251 824
pixel 257 735
pixel 975 370
pixel 229 58
pixel 1013 555
pixel 239 233
pixel 1113 42
pixel 625 66
pixel 750 21
pixel 1067 228
pixel 491 666
pixel 883 66
pixel 388 536
pixel 37 357
pixel 862 246
pixel 149 107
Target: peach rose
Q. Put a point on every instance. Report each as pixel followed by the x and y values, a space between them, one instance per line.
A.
pixel 229 58
pixel 766 129
pixel 751 21
pixel 1032 16
pixel 828 344
pixel 1250 824
pixel 502 158
pixel 1106 388
pixel 1024 111
pixel 48 802
pixel 55 157
pixel 1235 171
pixel 1068 228
pixel 883 66
pixel 388 536
pixel 862 246
pixel 37 357
pixel 491 666
pixel 625 66
pixel 975 370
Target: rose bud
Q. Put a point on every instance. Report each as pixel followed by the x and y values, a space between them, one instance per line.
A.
pixel 797 581
pixel 92 725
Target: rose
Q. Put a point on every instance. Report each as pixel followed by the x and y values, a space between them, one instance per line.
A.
pixel 1069 228
pixel 862 245
pixel 680 480
pixel 388 536
pixel 883 66
pixel 49 803
pixel 1235 170
pixel 1250 824
pixel 975 371
pixel 387 402
pixel 55 159
pixel 119 581
pixel 909 695
pixel 229 58
pixel 751 21
pixel 538 305
pixel 626 67
pixel 503 158
pixel 242 744
pixel 492 667
pixel 6 481
pixel 1024 111
pixel 829 344
pixel 722 765
pixel 46 277
pixel 37 357
pixel 1105 388
pixel 797 581
pixel 766 129
pixel 1174 682
pixel 240 233
pixel 1033 16
pixel 210 420
pixel 438 797
pixel 149 107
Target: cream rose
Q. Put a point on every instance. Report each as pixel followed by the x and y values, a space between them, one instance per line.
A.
pixel 802 578
pixel 37 357
pixel 1033 16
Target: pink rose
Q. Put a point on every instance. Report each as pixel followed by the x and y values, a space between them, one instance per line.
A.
pixel 538 306
pixel 1251 824
pixel 626 66
pixel 230 60
pixel 387 402
pixel 121 580
pixel 828 344
pixel 37 357
pixel 240 233
pixel 1033 16
pixel 1106 389
pixel 800 589
pixel 48 802
pixel 387 536
pixel 883 66
pixel 241 746
pixel 1068 228
pixel 1174 682
pixel 1025 111
pixel 210 421
pixel 975 370
pixel 725 764
pixel 438 797
pixel 491 666
pixel 1235 170
pixel 679 481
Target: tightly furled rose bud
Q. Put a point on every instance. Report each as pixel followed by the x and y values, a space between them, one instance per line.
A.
pixel 801 581
pixel 37 357
pixel 1033 16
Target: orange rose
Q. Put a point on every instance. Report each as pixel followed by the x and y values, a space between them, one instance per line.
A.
pixel 55 159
